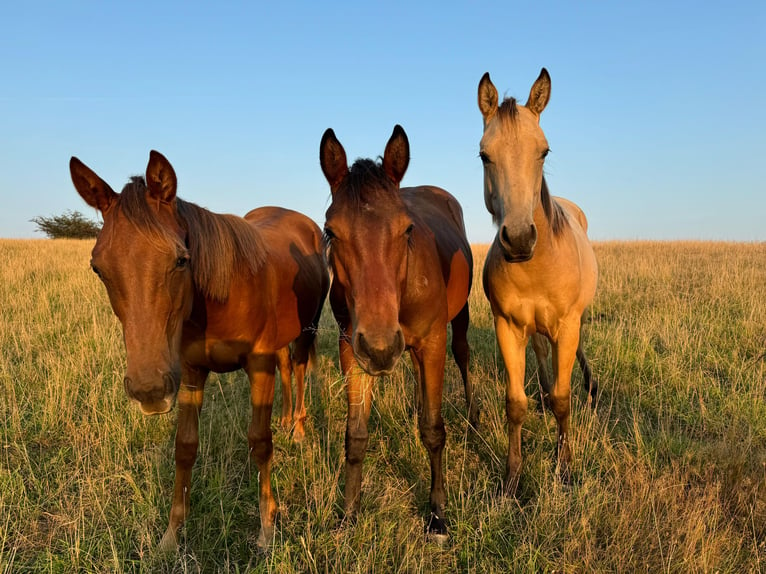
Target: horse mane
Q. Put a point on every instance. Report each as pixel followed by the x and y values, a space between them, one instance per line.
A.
pixel 220 246
pixel 365 181
pixel 508 112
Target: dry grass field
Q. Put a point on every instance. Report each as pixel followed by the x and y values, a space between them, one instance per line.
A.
pixel 669 469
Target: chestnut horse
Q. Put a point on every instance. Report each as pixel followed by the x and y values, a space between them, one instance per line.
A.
pixel 402 269
pixel 197 292
pixel 540 273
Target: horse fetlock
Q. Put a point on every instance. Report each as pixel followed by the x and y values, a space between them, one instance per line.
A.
pixel 436 528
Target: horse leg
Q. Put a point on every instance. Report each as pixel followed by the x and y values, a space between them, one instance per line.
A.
pixel 591 386
pixel 513 343
pixel 359 398
pixel 461 352
pixel 303 350
pixel 540 347
pixel 432 433
pixel 564 352
pixel 285 374
pixel 189 400
pixel 260 371
pixel 418 387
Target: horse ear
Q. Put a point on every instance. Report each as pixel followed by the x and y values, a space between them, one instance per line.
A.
pixel 487 97
pixel 332 158
pixel 94 190
pixel 396 158
pixel 161 181
pixel 540 93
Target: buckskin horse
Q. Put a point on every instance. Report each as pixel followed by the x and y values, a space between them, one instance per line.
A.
pixel 540 272
pixel 402 269
pixel 197 292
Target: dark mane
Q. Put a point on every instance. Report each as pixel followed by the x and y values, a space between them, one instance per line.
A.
pixel 219 245
pixel 365 181
pixel 554 213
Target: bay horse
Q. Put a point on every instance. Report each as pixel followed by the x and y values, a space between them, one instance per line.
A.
pixel 540 272
pixel 402 269
pixel 197 292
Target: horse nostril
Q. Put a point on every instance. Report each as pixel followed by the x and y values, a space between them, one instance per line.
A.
pixel 170 384
pixel 533 234
pixel 126 382
pixel 504 235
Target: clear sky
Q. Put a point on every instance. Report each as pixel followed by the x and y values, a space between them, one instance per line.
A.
pixel 657 119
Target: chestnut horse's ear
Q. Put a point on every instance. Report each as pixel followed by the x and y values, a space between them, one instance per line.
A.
pixel 540 93
pixel 396 158
pixel 332 158
pixel 487 97
pixel 94 190
pixel 161 181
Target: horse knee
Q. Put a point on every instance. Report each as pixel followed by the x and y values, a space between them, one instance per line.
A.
pixel 560 406
pixel 433 436
pixel 516 409
pixel 186 451
pixel 261 447
pixel 356 446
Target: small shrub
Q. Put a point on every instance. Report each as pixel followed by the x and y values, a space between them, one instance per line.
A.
pixel 69 225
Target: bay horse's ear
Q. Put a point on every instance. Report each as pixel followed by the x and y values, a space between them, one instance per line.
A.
pixel 161 181
pixel 487 97
pixel 540 93
pixel 332 158
pixel 94 190
pixel 396 158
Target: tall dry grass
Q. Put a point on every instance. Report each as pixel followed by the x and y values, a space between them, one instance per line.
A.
pixel 669 469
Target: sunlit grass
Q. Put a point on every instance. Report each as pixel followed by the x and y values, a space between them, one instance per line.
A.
pixel 670 471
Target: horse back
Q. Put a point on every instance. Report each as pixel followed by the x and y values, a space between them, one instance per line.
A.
pixel 298 277
pixel 441 213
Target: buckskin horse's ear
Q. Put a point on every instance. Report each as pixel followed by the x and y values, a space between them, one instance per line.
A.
pixel 396 158
pixel 540 93
pixel 94 190
pixel 487 97
pixel 332 158
pixel 161 181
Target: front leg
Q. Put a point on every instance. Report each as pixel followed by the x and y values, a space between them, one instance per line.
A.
pixel 564 353
pixel 190 396
pixel 430 359
pixel 359 397
pixel 513 342
pixel 260 371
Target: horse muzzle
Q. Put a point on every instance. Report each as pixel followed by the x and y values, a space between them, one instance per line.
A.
pixel 154 399
pixel 517 246
pixel 378 354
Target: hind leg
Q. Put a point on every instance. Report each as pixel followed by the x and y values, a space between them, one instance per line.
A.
pixel 285 374
pixel 540 347
pixel 589 382
pixel 303 351
pixel 462 353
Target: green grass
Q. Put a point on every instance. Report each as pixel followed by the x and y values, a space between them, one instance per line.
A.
pixel 669 471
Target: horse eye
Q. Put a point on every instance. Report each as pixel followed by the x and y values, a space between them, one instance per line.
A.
pixel 409 229
pixel 182 262
pixel 328 234
pixel 484 158
pixel 545 153
pixel 95 270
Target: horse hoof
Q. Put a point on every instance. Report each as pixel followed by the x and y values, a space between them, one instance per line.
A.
pixel 263 543
pixel 436 530
pixel 168 544
pixel 299 433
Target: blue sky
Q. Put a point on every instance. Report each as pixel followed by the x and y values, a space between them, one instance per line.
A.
pixel 657 121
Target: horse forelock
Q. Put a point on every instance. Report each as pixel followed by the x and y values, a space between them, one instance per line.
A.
pixel 508 111
pixel 219 246
pixel 365 183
